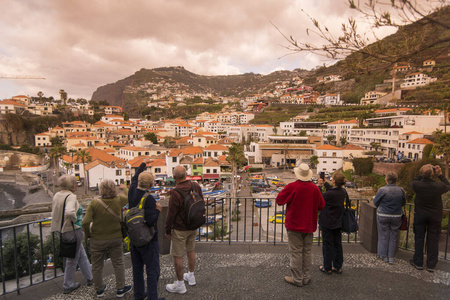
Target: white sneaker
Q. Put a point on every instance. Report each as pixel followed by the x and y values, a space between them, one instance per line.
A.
pixel 175 288
pixel 189 279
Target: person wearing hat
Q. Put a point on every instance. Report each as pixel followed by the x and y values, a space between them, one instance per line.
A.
pixel 147 255
pixel 303 201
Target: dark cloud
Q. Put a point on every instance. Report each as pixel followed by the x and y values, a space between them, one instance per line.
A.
pixel 79 45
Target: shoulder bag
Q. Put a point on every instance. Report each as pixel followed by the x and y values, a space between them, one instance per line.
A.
pixel 349 223
pixel 123 225
pixel 404 225
pixel 67 248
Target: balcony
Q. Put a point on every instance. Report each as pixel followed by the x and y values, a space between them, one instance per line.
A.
pixel 248 262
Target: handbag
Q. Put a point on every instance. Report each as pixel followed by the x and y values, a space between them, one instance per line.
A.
pixel 123 225
pixel 67 248
pixel 404 225
pixel 349 223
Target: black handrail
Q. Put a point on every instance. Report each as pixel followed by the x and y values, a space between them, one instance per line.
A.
pixel 256 218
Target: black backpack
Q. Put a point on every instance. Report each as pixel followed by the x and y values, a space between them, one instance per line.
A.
pixel 194 208
pixel 138 232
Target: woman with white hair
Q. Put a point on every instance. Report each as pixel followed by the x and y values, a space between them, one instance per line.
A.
pixel 101 224
pixel 67 214
pixel 389 201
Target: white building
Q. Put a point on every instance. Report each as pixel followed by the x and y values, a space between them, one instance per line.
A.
pixel 414 80
pixel 330 158
pixel 116 171
pixel 330 99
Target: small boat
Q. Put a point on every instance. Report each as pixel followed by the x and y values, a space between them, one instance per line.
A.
pixel 46 221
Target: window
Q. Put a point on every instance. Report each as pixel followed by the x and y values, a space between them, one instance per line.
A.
pixel 208 171
pixel 194 167
pixel 157 170
pixel 118 172
pixel 174 159
pixel 215 171
pixel 77 167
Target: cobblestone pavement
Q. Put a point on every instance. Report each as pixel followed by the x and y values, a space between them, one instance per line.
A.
pixel 256 272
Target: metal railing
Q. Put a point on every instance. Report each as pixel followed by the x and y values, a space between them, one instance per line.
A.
pixel 28 250
pixel 240 220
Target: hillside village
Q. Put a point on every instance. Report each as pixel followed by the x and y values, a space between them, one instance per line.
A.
pixel 117 145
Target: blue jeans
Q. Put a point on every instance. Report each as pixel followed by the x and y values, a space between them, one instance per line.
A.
pixel 387 235
pixel 149 256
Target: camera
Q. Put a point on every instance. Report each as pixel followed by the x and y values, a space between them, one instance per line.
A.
pixel 322 175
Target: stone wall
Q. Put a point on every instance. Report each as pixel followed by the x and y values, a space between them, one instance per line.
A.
pixel 381 168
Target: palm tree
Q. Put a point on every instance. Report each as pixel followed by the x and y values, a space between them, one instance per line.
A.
pixel 314 161
pixel 237 158
pixel 85 158
pixel 40 94
pixel 55 153
pixel 63 95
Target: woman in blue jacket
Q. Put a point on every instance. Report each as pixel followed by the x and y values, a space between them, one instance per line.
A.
pixel 389 201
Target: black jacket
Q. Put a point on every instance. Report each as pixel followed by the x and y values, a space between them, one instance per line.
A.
pixel 331 216
pixel 134 198
pixel 429 192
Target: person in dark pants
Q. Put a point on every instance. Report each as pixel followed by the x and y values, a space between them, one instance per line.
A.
pixel 147 255
pixel 428 214
pixel 330 222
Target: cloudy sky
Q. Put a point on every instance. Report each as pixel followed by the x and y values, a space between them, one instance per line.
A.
pixel 80 45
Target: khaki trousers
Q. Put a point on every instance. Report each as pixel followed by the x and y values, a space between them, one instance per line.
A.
pixel 115 250
pixel 300 245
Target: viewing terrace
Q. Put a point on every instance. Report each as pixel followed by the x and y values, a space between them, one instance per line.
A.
pixel 243 257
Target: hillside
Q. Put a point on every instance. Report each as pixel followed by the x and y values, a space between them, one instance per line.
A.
pixel 361 72
pixel 133 92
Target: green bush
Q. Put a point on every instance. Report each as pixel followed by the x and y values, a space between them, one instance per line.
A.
pixel 24 259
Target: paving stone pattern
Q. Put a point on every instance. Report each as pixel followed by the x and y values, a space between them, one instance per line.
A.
pixel 260 276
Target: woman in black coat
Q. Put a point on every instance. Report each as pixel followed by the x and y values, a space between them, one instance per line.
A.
pixel 330 222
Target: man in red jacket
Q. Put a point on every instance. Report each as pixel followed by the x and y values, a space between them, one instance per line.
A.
pixel 304 200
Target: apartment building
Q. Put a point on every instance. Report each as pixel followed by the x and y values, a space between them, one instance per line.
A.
pixel 292 128
pixel 330 158
pixel 414 80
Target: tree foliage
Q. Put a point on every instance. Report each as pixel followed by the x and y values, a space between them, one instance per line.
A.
pixel 151 136
pixel 363 166
pixel 24 258
pixel 353 40
pixel 409 171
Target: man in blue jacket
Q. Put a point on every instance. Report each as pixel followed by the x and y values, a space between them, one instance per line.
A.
pixel 147 255
pixel 428 214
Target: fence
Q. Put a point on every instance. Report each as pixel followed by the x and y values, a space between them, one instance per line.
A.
pixel 29 251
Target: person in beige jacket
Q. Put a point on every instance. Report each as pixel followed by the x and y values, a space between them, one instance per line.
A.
pixel 70 230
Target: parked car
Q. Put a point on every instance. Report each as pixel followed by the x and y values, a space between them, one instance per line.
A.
pixel 405 160
pixel 351 185
pixel 278 218
pixel 263 203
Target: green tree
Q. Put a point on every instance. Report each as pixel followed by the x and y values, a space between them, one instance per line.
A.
pixel 237 158
pixel 40 95
pixel 314 161
pixel 56 141
pixel 302 133
pixel 63 96
pixel 442 146
pixel 409 171
pixel 151 136
pixel 427 151
pixel 363 166
pixel 355 41
pixel 375 145
pixel 84 157
pixel 343 141
pixel 55 153
pixel 26 254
